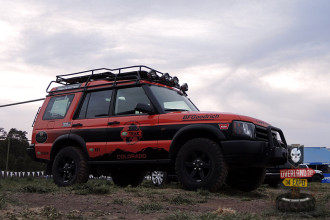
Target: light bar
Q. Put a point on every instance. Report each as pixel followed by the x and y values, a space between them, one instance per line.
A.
pixel 152 75
pixel 175 81
pixel 165 77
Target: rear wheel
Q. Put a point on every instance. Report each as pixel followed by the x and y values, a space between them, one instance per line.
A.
pixel 70 167
pixel 246 179
pixel 200 164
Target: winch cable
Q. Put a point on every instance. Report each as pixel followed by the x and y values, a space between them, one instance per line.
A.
pixel 24 102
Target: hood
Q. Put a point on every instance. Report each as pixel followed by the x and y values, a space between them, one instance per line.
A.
pixel 221 117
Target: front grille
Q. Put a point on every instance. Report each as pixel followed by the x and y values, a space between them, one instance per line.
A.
pixel 261 133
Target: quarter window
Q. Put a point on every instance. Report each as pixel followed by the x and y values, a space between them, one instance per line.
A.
pixel 58 107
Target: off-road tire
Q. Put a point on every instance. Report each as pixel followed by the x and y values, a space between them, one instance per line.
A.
pixel 136 177
pixel 124 177
pixel 159 178
pixel 120 178
pixel 246 179
pixel 273 184
pixel 317 178
pixel 304 203
pixel 70 167
pixel 200 164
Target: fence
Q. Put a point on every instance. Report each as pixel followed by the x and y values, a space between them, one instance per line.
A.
pixel 9 174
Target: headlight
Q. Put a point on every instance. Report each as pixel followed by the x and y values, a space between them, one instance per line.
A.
pixel 243 129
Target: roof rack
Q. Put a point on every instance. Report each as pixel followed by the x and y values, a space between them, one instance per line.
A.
pixel 125 74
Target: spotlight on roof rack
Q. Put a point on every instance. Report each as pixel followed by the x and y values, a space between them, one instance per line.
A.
pixel 184 87
pixel 174 81
pixel 165 77
pixel 152 75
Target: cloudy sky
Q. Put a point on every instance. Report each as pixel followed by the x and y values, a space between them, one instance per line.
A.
pixel 265 59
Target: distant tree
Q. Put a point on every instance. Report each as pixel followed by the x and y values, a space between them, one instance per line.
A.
pixel 18 158
pixel 3 134
pixel 17 134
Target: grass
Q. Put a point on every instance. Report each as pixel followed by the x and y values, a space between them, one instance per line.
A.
pixel 179 215
pixel 181 200
pixel 149 207
pixel 91 187
pixel 165 201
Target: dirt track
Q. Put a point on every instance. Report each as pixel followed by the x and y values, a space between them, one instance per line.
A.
pixel 146 202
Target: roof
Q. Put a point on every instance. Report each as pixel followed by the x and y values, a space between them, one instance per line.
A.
pixel 316 155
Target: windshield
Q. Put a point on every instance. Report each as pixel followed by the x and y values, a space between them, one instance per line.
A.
pixel 171 100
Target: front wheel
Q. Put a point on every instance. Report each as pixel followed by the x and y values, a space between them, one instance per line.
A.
pixel 70 167
pixel 200 164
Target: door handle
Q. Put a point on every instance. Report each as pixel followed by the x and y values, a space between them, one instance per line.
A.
pixel 77 125
pixel 114 123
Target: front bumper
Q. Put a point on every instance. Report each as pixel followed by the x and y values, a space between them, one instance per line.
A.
pixel 257 153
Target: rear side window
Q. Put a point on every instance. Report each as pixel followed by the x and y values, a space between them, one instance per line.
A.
pixel 58 107
pixel 96 105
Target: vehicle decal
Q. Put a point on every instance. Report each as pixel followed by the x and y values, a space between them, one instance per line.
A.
pixel 148 133
pixel 66 124
pixel 224 126
pixel 200 117
pixel 148 153
pixel 131 133
pixel 41 137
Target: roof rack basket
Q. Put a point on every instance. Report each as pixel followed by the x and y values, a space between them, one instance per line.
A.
pixel 81 79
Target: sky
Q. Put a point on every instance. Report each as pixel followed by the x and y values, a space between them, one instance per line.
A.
pixel 261 58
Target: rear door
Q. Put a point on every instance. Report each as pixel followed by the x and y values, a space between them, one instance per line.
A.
pixel 92 120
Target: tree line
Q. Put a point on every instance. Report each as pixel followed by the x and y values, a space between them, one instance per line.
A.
pixel 18 159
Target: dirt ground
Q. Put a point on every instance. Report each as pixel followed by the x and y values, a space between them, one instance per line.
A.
pixel 148 202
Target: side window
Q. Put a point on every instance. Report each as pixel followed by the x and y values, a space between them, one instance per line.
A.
pixel 96 104
pixel 58 107
pixel 127 99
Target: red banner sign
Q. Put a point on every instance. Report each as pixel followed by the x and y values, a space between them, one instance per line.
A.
pixel 297 173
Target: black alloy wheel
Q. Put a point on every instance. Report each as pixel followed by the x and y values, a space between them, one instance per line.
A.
pixel 70 167
pixel 200 164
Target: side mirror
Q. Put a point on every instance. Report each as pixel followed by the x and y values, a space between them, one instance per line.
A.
pixel 141 107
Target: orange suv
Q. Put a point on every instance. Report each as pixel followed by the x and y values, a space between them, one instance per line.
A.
pixel 127 121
